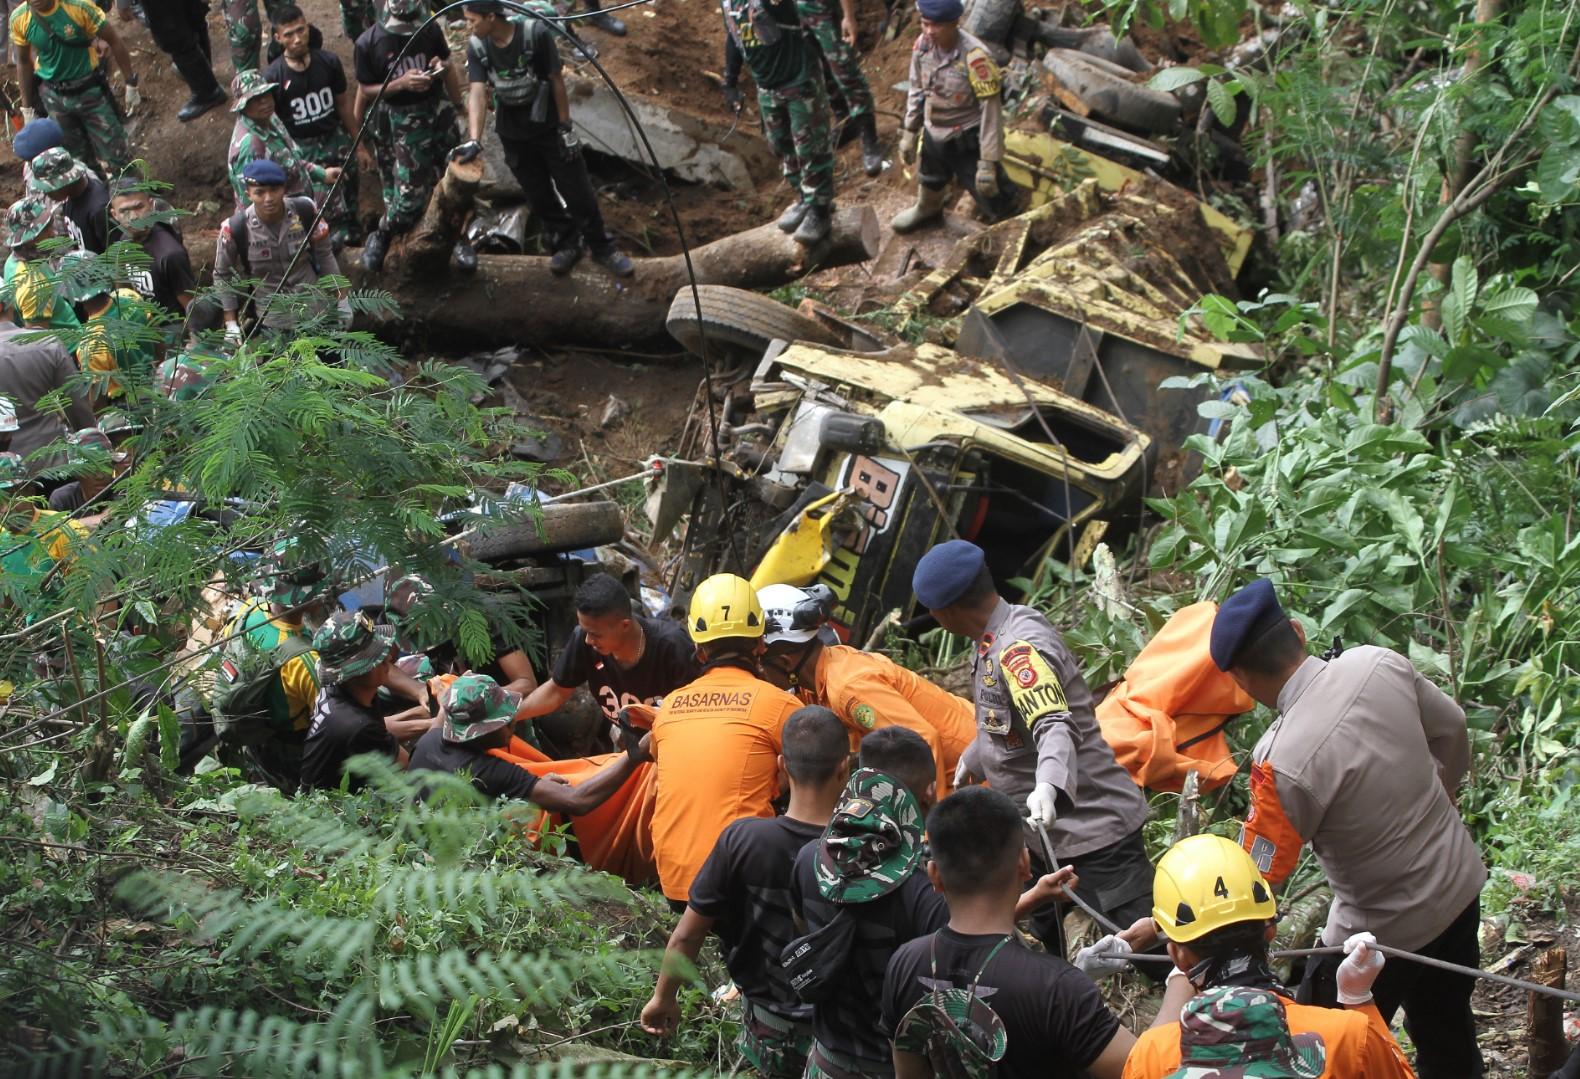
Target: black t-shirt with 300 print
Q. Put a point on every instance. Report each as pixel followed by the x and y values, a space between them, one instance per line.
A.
pixel 305 100
pixel 1055 1018
pixel 377 49
pixel 668 662
pixel 168 272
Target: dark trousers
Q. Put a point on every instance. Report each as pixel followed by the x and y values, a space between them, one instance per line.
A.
pixel 558 190
pixel 180 28
pixel 1116 881
pixel 956 159
pixel 1436 1003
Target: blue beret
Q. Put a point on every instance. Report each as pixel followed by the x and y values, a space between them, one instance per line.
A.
pixel 35 137
pixel 945 572
pixel 263 171
pixel 1244 617
pixel 940 10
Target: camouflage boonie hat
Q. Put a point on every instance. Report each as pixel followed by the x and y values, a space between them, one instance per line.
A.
pixel 475 705
pixel 112 421
pixel 54 170
pixel 90 438
pixel 182 378
pixel 246 86
pixel 961 1036
pixel 283 579
pixel 402 16
pixel 26 219
pixel 350 645
pixel 13 472
pixel 1237 1032
pixel 873 841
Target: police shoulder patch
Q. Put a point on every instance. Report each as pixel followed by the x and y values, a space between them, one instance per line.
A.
pixel 986 78
pixel 1034 686
pixel 864 716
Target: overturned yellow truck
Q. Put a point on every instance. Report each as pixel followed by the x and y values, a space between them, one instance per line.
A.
pixel 1014 401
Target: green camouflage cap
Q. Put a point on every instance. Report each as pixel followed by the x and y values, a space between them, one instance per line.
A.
pixel 26 220
pixel 284 579
pixel 246 86
pixel 350 645
pixel 181 378
pixel 958 1032
pixel 13 472
pixel 873 841
pixel 1238 1032
pixel 112 421
pixel 90 438
pixel 475 705
pixel 404 14
pixel 55 170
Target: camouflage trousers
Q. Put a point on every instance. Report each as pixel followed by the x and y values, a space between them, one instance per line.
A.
pixel 820 19
pixel 795 121
pixel 413 143
pixel 245 31
pixel 825 1063
pixel 90 126
pixel 334 151
pixel 775 1047
pixel 356 16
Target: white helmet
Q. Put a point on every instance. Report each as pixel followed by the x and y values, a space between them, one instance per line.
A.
pixel 793 614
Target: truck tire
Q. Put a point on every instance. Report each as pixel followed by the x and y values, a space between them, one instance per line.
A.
pixel 990 21
pixel 738 317
pixel 1109 93
pixel 568 526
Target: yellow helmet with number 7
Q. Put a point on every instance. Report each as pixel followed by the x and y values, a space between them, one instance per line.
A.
pixel 724 605
pixel 1205 882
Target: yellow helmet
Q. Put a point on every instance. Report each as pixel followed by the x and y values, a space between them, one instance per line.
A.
pixel 725 606
pixel 1205 882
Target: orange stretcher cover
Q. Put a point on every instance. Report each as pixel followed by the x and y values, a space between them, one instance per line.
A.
pixel 1167 716
pixel 617 837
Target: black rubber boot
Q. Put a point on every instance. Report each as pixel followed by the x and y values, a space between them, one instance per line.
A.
pixel 465 256
pixel 374 250
pixel 871 152
pixel 815 226
pixel 791 218
pixel 197 106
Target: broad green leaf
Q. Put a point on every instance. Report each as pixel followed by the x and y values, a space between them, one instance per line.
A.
pixel 1222 102
pixel 1172 78
pixel 1515 304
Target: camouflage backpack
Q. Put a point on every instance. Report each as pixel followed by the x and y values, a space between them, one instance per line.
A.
pixel 961 1036
pixel 247 702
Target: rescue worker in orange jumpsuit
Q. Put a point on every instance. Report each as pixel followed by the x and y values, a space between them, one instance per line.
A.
pixel 864 689
pixel 716 740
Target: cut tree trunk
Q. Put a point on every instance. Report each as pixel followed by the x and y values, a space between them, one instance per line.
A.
pixel 517 299
pixel 425 250
pixel 1544 1016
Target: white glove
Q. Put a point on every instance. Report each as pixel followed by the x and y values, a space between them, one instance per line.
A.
pixel 987 179
pixel 343 305
pixel 908 140
pixel 133 99
pixel 233 332
pixel 1042 805
pixel 1362 963
pixel 962 772
pixel 28 115
pixel 1104 958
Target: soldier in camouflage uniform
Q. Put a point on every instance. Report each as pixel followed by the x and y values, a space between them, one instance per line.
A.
pixel 356 16
pixel 793 106
pixel 415 123
pixel 58 63
pixel 833 30
pixel 259 135
pixel 245 31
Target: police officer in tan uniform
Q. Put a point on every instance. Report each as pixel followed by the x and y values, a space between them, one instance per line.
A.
pixel 958 90
pixel 1362 763
pixel 1037 737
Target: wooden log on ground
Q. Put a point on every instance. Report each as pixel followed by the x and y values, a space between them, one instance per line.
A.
pixel 515 297
pixel 1544 1016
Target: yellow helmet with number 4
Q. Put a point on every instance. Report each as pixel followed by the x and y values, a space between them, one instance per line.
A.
pixel 1205 882
pixel 725 605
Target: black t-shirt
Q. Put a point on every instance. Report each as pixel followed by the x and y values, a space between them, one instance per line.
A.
pixel 492 776
pixel 668 662
pixel 1055 1018
pixel 88 216
pixel 67 498
pixel 341 729
pixel 305 100
pixel 375 56
pixel 168 274
pixel 519 73
pixel 843 1022
pixel 745 886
